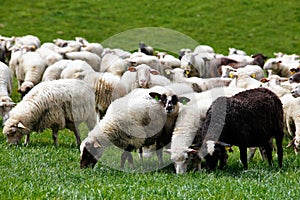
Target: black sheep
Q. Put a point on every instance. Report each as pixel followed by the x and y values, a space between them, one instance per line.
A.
pixel 248 119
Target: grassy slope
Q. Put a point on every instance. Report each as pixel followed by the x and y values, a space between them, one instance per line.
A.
pixel 44 172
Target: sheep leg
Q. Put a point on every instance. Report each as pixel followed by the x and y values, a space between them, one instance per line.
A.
pixel 141 153
pixel 72 126
pixel 55 136
pixel 27 139
pixel 252 151
pixel 159 154
pixel 243 157
pixel 223 158
pixel 126 155
pixel 268 150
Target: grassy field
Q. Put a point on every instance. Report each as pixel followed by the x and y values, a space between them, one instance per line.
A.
pixel 42 171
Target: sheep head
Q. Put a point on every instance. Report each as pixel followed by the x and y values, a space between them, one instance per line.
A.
pixel 14 131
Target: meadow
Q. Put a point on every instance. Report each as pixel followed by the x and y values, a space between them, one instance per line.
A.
pixel 43 171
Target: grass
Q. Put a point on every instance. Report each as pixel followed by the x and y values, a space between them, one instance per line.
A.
pixel 42 171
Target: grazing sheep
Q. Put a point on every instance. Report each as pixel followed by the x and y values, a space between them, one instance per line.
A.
pixel 6 80
pixel 198 84
pixel 29 71
pixel 114 64
pixel 248 119
pixel 128 122
pixel 53 71
pixel 291 103
pixel 49 52
pixel 189 123
pixel 106 86
pixel 91 58
pixel 55 104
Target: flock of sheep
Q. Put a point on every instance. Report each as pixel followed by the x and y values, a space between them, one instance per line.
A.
pixel 195 106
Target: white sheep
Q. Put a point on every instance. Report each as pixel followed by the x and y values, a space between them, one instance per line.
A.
pixel 142 76
pixel 138 58
pixel 92 47
pixel 6 81
pixel 189 123
pixel 91 58
pixel 291 103
pixel 29 71
pixel 106 86
pixel 128 122
pixel 198 84
pixel 48 51
pixel 53 71
pixel 281 67
pixel 254 71
pixel 119 52
pixel 54 104
pixel 167 62
pixel 236 51
pixel 73 67
pixel 114 64
pixel 27 41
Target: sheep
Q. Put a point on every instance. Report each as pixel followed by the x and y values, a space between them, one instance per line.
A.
pixel 182 52
pixel 93 47
pixel 281 68
pixel 114 64
pixel 28 40
pixel 73 67
pixel 54 104
pixel 167 62
pixel 91 58
pixel 236 51
pixel 48 51
pixel 6 81
pixel 248 119
pixel 29 71
pixel 198 84
pixel 254 71
pixel 186 132
pixel 204 49
pixel 53 71
pixel 145 49
pixel 128 122
pixel 106 86
pixel 6 44
pixel 243 80
pixel 119 52
pixel 291 114
pixel 295 78
pixel 142 76
pixel 138 58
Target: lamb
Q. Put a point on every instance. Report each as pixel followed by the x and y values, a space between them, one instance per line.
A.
pixel 29 71
pixel 187 132
pixel 91 58
pixel 128 122
pixel 54 104
pixel 248 119
pixel 6 80
pixel 142 76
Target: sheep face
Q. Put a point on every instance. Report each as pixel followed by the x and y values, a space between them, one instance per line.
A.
pixel 91 151
pixel 14 131
pixel 6 104
pixel 143 78
pixel 180 158
pixel 296 91
pixel 25 88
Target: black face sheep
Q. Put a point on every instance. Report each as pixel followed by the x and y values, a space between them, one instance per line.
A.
pixel 54 104
pixel 128 123
pixel 248 119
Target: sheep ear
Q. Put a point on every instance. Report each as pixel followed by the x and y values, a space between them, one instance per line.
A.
pixel 97 144
pixel 154 72
pixel 169 151
pixel 193 151
pixel 155 95
pixel 132 69
pixel 20 125
pixel 184 100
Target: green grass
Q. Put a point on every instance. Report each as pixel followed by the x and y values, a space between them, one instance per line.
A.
pixel 42 171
